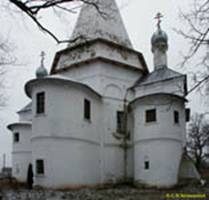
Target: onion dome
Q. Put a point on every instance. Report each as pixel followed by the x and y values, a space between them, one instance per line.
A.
pixel 41 72
pixel 159 39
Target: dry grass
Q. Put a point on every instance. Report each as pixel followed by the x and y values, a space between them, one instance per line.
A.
pixel 98 192
pixel 11 183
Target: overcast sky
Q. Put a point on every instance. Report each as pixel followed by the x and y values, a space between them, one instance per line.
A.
pixel 27 42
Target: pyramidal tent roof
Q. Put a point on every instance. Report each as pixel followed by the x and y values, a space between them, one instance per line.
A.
pixel 103 22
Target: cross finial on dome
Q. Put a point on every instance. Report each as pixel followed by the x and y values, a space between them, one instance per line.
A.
pixel 43 54
pixel 41 72
pixel 159 43
pixel 158 18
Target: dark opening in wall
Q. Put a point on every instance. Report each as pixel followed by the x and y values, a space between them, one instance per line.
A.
pixel 40 102
pixel 16 137
pixel 87 109
pixel 146 165
pixel 176 117
pixel 120 121
pixel 187 113
pixel 40 167
pixel 150 116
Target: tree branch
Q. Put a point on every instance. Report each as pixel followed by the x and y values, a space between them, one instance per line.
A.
pixel 31 8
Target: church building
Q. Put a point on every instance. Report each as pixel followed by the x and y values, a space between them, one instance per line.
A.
pixel 100 116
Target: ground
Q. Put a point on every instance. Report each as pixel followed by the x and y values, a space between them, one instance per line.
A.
pixel 122 192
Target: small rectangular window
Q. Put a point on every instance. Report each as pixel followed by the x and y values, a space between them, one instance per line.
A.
pixel 188 112
pixel 146 165
pixel 16 137
pixel 87 109
pixel 120 121
pixel 40 102
pixel 151 116
pixel 176 117
pixel 40 167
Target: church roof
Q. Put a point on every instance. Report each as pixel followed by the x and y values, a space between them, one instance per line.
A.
pixel 103 22
pixel 57 79
pixel 159 93
pixel 26 108
pixel 158 75
pixel 21 123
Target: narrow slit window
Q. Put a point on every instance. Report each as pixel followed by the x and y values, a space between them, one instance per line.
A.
pixel 87 109
pixel 146 165
pixel 176 117
pixel 40 103
pixel 187 113
pixel 16 137
pixel 40 167
pixel 120 122
pixel 150 116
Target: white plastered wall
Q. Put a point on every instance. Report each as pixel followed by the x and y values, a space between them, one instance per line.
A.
pixel 161 142
pixel 21 155
pixel 68 143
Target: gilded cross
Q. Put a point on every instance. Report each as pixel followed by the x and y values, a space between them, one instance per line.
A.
pixel 158 18
pixel 42 58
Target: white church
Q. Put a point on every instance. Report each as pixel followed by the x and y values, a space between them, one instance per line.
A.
pixel 100 116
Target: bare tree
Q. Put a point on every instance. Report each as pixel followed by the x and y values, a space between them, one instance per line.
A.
pixel 6 59
pixel 196 32
pixel 198 139
pixel 32 8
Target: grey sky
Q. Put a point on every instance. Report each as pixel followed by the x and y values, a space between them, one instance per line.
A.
pixel 28 41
